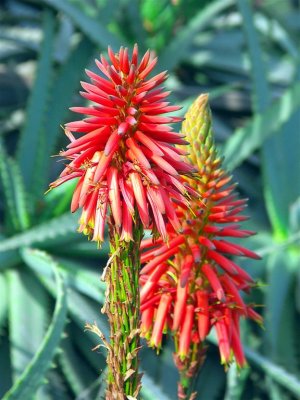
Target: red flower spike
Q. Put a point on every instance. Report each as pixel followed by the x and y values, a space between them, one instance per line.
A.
pixel 186 269
pixel 255 316
pixel 127 233
pixel 203 314
pixel 152 281
pixel 223 338
pixel 233 291
pixel 147 320
pixel 195 268
pixel 150 242
pixel 114 195
pixel 76 194
pixel 160 319
pixel 238 349
pixel 101 208
pixel 214 281
pixel 180 305
pixel 186 332
pixel 125 143
pixel 140 197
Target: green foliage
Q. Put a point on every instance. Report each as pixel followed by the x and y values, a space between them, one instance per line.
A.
pixel 48 233
pixel 250 137
pixel 4 297
pixel 26 329
pixel 89 25
pixel 17 216
pixel 236 381
pixel 31 378
pixel 280 375
pixel 170 57
pixel 32 144
pixel 151 390
pixel 246 55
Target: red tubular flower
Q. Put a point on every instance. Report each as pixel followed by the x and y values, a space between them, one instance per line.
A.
pixel 121 152
pixel 160 320
pixel 196 270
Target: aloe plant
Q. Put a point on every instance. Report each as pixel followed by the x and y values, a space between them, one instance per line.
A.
pixel 247 57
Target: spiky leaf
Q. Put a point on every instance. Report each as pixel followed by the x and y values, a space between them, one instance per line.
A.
pixel 30 380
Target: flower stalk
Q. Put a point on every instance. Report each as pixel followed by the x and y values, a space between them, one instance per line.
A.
pixel 122 309
pixel 188 369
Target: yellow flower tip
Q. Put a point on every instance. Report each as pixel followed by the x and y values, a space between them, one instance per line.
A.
pixel 47 191
pixel 154 346
pixel 192 211
pixel 182 357
pixel 242 366
pixel 202 100
pixel 99 244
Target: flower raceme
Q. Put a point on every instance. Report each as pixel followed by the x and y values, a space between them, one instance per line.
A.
pixel 190 285
pixel 123 153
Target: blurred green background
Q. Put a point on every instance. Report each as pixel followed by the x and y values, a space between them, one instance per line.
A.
pixel 247 56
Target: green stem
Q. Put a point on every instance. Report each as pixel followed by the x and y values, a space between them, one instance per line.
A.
pixel 122 309
pixel 188 371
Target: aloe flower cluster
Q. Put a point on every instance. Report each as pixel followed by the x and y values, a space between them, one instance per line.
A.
pixel 123 153
pixel 129 173
pixel 190 285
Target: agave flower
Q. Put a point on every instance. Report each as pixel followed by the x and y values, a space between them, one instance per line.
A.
pixel 191 285
pixel 122 154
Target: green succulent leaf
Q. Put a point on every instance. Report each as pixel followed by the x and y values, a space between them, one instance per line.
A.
pixel 276 30
pixel 275 390
pixel 5 366
pixel 8 259
pixel 136 23
pixel 78 373
pixel 57 202
pixel 85 342
pixel 82 310
pixel 170 56
pixel 97 386
pixel 64 85
pixel 84 281
pixel 151 390
pixel 32 143
pixel 211 380
pixel 89 25
pixel 280 155
pixel 280 334
pixel 274 371
pixel 28 317
pixel 85 249
pixel 55 386
pixel 287 351
pixel 261 93
pixel 31 378
pixel 4 299
pixel 236 381
pixel 48 233
pixel 287 380
pixel 279 279
pixel 14 191
pixel 281 160
pixel 246 140
pixel 294 216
